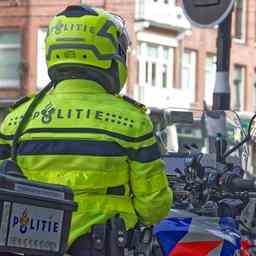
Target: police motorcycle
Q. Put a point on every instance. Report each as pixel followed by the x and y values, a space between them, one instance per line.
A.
pixel 214 207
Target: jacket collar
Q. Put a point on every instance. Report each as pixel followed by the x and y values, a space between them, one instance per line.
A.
pixel 79 85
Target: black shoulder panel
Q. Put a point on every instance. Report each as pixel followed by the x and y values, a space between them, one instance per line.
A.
pixel 135 103
pixel 78 11
pixel 20 102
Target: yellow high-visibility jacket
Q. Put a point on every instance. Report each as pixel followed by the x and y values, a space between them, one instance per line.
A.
pixel 99 145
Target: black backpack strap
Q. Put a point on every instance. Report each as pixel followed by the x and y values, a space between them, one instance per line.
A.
pixel 20 102
pixel 26 117
pixel 135 103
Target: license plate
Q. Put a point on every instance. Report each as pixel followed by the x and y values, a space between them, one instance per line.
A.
pixel 32 227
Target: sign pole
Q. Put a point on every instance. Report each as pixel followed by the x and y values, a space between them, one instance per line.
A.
pixel 221 95
pixel 207 14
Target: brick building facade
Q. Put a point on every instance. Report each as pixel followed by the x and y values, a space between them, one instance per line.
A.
pixel 27 17
pixel 194 56
pixel 169 60
pixel 243 53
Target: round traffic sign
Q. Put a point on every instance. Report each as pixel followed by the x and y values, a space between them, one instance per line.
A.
pixel 207 13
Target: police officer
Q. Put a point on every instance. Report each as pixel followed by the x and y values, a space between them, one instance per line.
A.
pixel 83 135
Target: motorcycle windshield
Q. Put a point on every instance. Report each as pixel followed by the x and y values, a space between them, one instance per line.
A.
pixel 177 132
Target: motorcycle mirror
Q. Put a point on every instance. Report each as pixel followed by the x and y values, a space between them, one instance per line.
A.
pixel 183 117
pixel 250 136
pixel 207 13
pixel 171 117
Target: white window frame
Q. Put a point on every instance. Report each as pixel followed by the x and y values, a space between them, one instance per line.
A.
pixel 192 66
pixel 146 8
pixel 211 71
pixel 10 83
pixel 143 58
pixel 243 25
pixel 42 73
pixel 242 88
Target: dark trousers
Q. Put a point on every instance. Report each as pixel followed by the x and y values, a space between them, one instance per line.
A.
pixel 81 253
pixel 83 247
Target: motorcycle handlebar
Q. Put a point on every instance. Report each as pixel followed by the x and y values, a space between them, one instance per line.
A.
pixel 239 184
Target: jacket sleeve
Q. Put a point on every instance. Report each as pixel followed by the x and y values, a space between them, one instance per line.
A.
pixel 152 196
pixel 5 141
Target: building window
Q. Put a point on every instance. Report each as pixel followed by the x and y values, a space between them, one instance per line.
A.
pixel 10 58
pixel 238 88
pixel 210 77
pixel 155 65
pixel 164 75
pixel 42 72
pixel 153 74
pixel 152 52
pixel 240 20
pixel 189 65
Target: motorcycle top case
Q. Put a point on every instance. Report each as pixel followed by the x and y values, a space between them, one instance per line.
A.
pixel 186 234
pixel 34 217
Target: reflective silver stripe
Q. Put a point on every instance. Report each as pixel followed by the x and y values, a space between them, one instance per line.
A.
pixel 91 130
pixel 87 148
pixel 82 46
